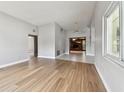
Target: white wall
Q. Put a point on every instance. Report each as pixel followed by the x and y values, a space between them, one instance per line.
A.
pixel 46 41
pixel 51 39
pixel 83 33
pixel 111 73
pixel 59 39
pixel 13 39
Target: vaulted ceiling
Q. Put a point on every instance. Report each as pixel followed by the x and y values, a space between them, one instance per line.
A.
pixel 65 13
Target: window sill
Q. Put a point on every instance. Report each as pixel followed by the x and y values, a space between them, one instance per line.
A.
pixel 118 62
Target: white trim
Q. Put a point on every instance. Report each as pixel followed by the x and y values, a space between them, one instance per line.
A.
pixel 13 63
pixel 66 53
pixel 60 55
pixel 103 36
pixel 89 54
pixel 115 59
pixel 122 29
pixel 46 57
pixel 120 63
pixel 108 11
pixel 103 80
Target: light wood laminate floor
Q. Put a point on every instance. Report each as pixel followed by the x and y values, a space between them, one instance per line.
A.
pixel 50 75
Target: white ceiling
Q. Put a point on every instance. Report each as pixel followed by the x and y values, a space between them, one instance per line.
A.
pixel 40 13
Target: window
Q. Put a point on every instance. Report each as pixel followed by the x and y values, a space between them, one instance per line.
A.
pixel 113 32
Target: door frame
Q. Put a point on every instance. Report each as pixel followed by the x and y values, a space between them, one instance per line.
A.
pixel 35 44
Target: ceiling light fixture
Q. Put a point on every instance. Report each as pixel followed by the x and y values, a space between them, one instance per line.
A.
pixel 73 39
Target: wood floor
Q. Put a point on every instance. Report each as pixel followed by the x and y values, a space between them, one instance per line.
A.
pixel 50 75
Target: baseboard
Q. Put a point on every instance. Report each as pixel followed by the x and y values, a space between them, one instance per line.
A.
pixel 13 63
pixel 66 53
pixel 59 55
pixel 46 57
pixel 103 80
pixel 90 55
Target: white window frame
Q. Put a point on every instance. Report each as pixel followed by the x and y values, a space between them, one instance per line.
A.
pixel 109 10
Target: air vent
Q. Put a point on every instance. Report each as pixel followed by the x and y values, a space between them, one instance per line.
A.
pixel 61 29
pixel 58 52
pixel 33 30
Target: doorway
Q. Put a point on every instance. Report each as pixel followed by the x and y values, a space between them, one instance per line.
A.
pixel 33 45
pixel 77 44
